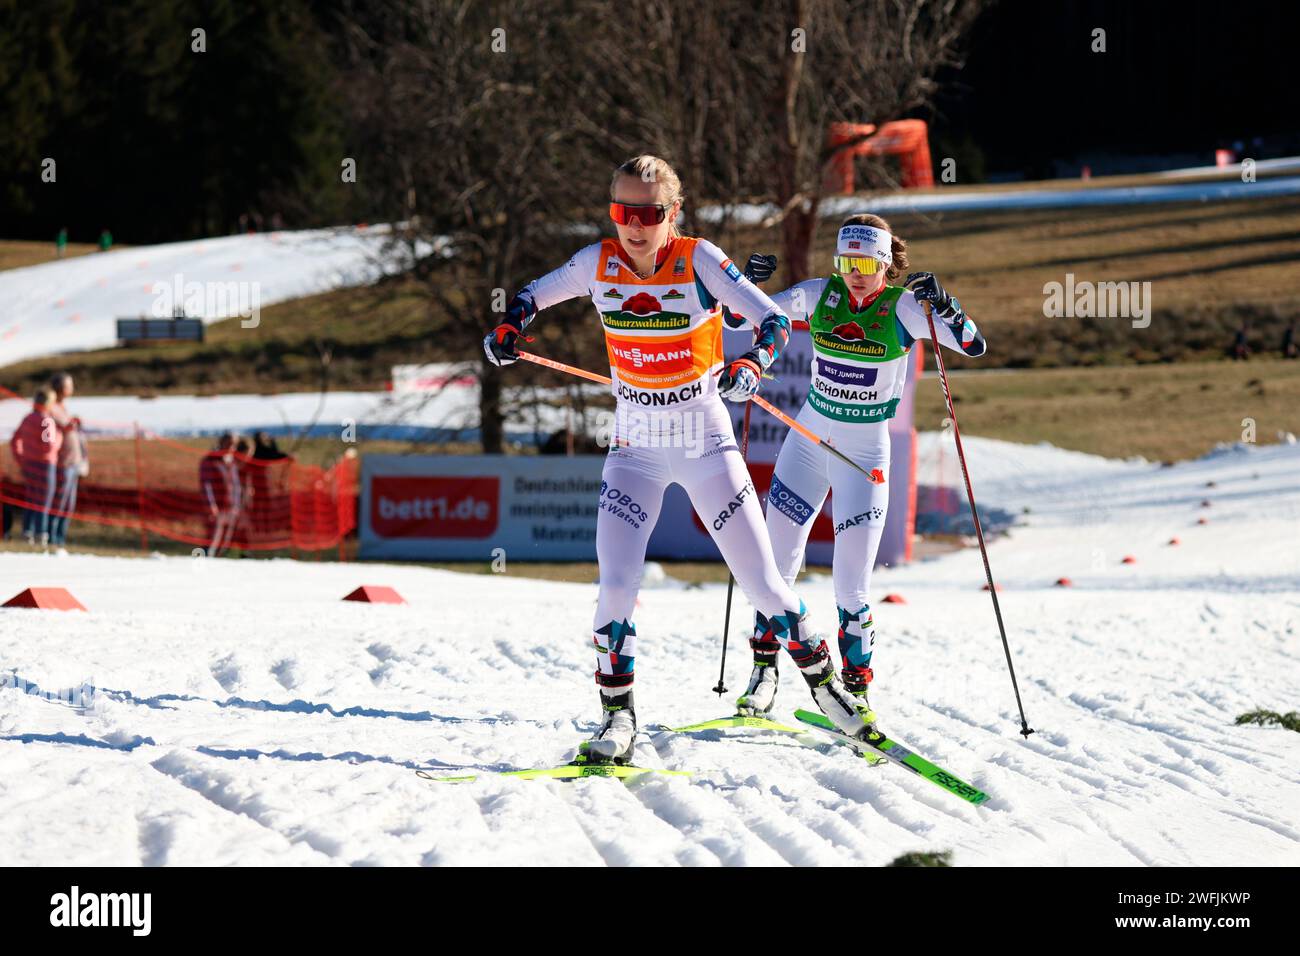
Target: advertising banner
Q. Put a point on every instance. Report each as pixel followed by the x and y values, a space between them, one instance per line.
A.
pixel 449 507
pixel 543 508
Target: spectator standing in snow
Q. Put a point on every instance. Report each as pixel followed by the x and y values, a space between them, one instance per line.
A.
pixel 73 461
pixel 268 480
pixel 245 468
pixel 35 446
pixel 221 494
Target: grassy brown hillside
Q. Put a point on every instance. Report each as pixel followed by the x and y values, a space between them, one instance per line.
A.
pixel 1162 412
pixel 1165 392
pixel 15 254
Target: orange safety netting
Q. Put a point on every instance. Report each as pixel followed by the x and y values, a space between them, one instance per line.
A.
pixel 159 486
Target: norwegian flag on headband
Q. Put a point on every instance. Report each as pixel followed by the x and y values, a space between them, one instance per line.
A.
pixel 855 245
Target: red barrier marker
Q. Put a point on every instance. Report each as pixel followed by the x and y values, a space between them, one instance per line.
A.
pixel 46 599
pixel 375 594
pixel 1064 583
pixel 893 599
pixel 1129 559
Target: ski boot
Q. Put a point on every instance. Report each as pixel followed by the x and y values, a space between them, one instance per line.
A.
pixel 760 695
pixel 857 636
pixel 613 742
pixel 833 699
pixel 856 680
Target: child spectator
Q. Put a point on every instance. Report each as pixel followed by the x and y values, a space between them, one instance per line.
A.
pixel 73 461
pixel 246 469
pixel 219 487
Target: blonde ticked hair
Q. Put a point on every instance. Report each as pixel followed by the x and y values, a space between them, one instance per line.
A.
pixel 898 247
pixel 652 169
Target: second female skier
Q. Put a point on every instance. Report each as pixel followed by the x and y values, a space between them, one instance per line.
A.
pixel 862 332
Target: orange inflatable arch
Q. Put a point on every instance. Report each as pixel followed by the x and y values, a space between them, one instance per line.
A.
pixel 909 140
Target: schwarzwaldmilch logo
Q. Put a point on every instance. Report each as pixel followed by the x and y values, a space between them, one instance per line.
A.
pixel 643 311
pixel 849 339
pixel 131 910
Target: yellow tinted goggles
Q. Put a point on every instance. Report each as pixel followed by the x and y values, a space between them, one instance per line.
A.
pixel 846 264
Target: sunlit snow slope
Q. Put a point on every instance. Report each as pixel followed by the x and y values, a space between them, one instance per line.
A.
pixel 246 715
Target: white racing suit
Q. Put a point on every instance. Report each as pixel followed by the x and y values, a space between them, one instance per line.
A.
pixel 859 368
pixel 663 335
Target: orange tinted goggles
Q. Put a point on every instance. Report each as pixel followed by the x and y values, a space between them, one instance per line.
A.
pixel 623 213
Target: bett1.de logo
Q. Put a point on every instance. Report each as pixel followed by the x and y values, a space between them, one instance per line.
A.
pixel 435 507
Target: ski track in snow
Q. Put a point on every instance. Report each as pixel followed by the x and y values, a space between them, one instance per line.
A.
pixel 245 715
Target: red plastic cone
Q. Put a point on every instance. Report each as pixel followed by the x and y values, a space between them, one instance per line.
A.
pixel 375 594
pixel 49 599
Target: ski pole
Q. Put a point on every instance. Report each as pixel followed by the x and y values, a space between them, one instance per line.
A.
pixel 1025 729
pixel 874 475
pixel 561 367
pixel 731 577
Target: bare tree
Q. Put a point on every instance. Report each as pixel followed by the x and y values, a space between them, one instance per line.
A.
pixel 744 93
pixel 865 62
pixel 467 121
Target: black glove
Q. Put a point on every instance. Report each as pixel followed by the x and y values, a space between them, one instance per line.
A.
pixel 928 289
pixel 759 268
pixel 499 345
pixel 742 377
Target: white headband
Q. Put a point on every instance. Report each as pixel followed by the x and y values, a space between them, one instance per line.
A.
pixel 866 242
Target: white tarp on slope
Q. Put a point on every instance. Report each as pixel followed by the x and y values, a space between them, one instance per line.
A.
pixel 73 304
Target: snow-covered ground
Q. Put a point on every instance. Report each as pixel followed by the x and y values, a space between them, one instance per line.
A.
pixel 246 715
pixel 73 304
